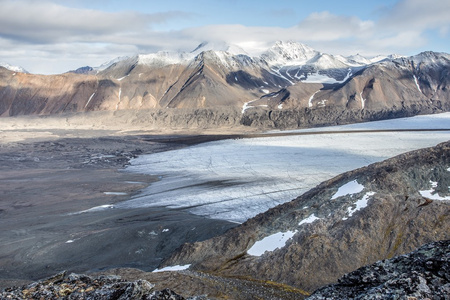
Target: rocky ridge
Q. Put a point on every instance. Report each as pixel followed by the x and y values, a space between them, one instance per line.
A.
pixel 421 274
pixel 373 213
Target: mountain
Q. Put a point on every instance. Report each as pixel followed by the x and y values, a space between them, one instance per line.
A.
pixel 13 68
pixel 272 89
pixel 355 219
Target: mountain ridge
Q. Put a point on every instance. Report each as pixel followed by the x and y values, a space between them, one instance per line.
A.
pixel 288 77
pixel 357 218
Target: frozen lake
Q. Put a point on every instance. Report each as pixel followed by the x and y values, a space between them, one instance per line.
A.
pixel 236 179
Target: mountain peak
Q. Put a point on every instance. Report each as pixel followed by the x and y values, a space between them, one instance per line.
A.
pixel 218 46
pixel 13 68
pixel 289 52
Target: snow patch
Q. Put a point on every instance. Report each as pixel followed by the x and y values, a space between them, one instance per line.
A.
pixel 363 101
pixel 69 241
pixel 165 230
pixel 173 268
pixel 90 98
pixel 94 209
pixel 322 103
pixel 360 204
pixel 311 99
pixel 277 73
pixel 432 194
pixel 417 83
pixel 270 243
pixel 350 188
pixel 247 105
pixel 309 219
pixel 321 78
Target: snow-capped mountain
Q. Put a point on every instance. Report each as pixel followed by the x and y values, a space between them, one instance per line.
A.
pixel 13 68
pixel 219 46
pixel 282 65
pixel 288 53
pixel 287 76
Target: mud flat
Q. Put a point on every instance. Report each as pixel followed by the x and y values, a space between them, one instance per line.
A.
pixel 53 184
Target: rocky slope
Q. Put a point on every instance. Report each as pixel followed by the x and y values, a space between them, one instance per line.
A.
pixel 422 274
pixel 289 82
pixel 357 218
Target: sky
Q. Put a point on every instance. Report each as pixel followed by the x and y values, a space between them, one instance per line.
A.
pixel 55 36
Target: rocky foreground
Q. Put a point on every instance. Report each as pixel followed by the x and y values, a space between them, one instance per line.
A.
pixel 76 286
pixel 424 273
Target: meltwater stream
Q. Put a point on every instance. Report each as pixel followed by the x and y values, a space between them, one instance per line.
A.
pixel 236 179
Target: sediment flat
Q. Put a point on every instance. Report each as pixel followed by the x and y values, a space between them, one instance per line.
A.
pixel 49 178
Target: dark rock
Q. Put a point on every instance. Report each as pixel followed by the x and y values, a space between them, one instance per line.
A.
pixel 421 274
pixel 75 286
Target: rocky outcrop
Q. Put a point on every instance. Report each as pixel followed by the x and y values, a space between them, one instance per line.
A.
pixel 357 218
pixel 422 274
pixel 75 286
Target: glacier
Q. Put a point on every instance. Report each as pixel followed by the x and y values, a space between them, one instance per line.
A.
pixel 238 178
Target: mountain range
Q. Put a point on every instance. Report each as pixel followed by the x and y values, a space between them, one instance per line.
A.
pixel 288 76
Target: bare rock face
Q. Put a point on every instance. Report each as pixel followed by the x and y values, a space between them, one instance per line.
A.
pixel 357 218
pixel 421 274
pixel 76 286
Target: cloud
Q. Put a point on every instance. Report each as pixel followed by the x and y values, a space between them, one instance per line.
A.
pixel 46 22
pixel 326 26
pixel 417 15
pixel 45 35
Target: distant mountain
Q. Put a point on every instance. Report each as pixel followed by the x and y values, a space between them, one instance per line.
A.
pixel 83 70
pixel 265 88
pixel 13 68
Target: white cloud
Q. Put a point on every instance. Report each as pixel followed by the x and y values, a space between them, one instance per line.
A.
pixel 326 26
pixel 46 22
pixel 417 15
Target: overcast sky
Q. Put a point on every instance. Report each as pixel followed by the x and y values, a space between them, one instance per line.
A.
pixel 49 37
